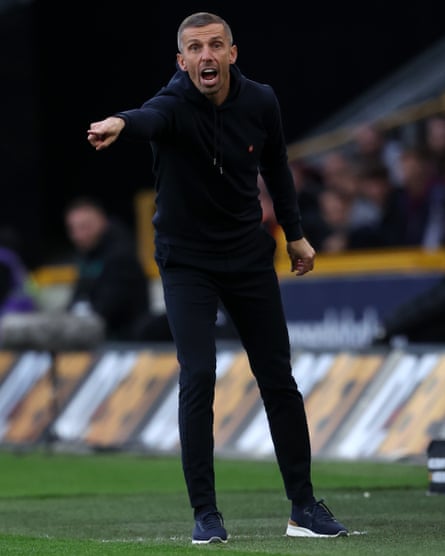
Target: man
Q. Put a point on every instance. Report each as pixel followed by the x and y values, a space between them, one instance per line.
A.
pixel 111 281
pixel 211 131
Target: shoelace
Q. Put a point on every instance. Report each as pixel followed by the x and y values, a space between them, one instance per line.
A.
pixel 320 509
pixel 212 520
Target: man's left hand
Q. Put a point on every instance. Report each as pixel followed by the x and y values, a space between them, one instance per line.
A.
pixel 302 256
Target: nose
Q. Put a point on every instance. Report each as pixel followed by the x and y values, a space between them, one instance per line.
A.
pixel 206 52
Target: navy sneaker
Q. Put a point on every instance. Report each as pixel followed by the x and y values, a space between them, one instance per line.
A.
pixel 315 520
pixel 209 527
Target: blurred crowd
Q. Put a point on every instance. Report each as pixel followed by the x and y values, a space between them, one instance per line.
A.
pixel 375 192
pixel 379 191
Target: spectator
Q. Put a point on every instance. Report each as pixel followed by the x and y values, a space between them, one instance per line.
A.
pixel 339 207
pixel 308 185
pixel 388 228
pixel 328 228
pixel 434 144
pixel 340 173
pixel 111 281
pixel 370 145
pixel 422 201
pixel 17 292
pixel 336 171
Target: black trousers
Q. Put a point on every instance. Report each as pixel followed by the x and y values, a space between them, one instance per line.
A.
pixel 253 301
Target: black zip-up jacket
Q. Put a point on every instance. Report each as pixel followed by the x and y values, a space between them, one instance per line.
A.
pixel 206 163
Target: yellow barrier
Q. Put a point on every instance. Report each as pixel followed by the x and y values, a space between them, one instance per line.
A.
pixel 371 261
pixel 54 274
pixel 347 263
pixel 145 209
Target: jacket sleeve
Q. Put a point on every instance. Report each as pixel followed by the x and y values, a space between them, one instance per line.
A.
pixel 277 176
pixel 147 122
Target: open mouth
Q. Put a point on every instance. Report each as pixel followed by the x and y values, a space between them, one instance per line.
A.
pixel 208 75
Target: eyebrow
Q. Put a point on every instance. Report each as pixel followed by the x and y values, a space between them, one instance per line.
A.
pixel 211 39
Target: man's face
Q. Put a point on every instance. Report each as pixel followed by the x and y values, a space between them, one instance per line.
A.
pixel 207 55
pixel 85 227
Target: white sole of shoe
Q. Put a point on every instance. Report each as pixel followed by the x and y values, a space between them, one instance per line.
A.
pixel 208 541
pixel 295 531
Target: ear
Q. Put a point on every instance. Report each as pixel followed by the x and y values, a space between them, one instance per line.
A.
pixel 233 54
pixel 181 61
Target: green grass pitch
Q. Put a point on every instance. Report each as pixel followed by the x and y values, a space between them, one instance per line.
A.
pixel 131 504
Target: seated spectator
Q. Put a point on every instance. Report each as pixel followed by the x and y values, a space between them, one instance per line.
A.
pixel 388 228
pixel 420 319
pixel 17 292
pixel 328 228
pixel 111 281
pixel 340 173
pixel 308 185
pixel 336 170
pixel 421 201
pixel 339 207
pixel 370 145
pixel 434 144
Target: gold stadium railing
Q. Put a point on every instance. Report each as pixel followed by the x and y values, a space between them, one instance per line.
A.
pixel 145 209
pixel 343 135
pixel 366 261
pixel 348 263
pixel 401 260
